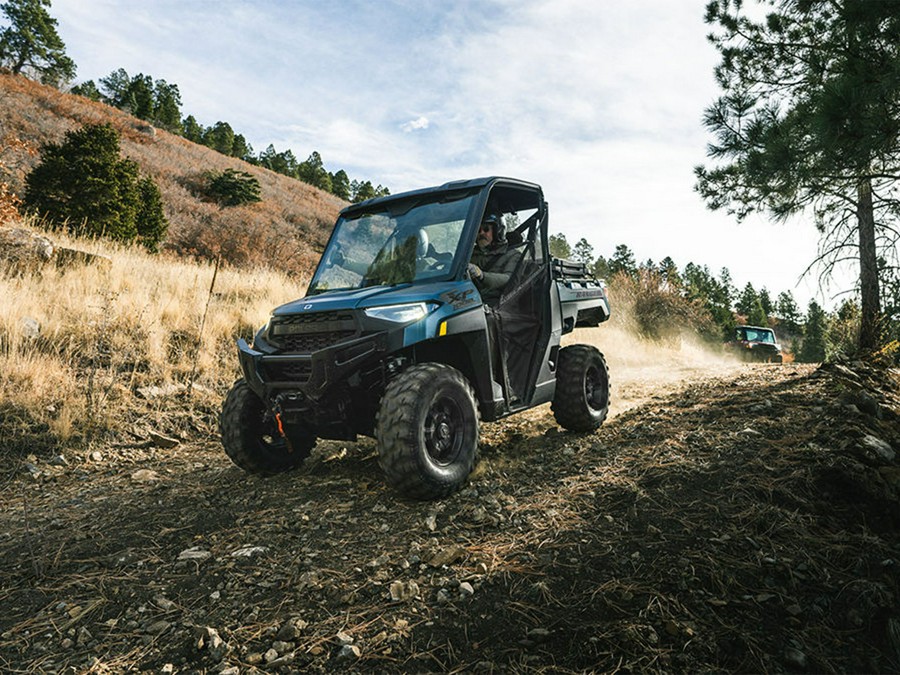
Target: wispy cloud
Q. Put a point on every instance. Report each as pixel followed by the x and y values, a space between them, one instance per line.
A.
pixel 420 122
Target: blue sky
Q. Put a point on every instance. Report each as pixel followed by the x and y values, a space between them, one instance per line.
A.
pixel 599 101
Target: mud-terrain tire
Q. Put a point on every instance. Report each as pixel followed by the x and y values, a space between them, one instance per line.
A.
pixel 427 431
pixel 251 438
pixel 581 401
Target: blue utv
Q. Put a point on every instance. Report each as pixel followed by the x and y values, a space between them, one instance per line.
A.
pixel 393 340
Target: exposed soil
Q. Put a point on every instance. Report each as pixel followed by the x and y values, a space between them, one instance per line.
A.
pixel 739 519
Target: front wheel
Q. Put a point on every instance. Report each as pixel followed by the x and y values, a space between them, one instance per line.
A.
pixel 581 401
pixel 251 437
pixel 427 431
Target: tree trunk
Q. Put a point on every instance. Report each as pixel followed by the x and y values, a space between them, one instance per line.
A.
pixel 870 298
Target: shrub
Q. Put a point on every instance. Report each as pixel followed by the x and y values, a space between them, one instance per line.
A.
pixel 83 184
pixel 658 310
pixel 233 188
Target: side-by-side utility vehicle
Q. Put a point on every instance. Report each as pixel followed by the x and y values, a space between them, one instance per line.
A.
pixel 393 340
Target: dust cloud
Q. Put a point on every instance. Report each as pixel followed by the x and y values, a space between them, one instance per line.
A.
pixel 640 370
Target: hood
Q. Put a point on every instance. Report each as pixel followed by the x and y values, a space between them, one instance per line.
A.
pixel 361 298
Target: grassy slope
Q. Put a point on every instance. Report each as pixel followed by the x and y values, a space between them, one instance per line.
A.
pixel 287 229
pixel 105 334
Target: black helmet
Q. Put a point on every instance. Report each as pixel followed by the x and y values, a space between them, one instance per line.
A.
pixel 499 228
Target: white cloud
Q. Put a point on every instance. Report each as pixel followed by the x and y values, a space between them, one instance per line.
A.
pixel 420 122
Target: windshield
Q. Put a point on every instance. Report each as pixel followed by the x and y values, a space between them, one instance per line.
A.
pixel 397 243
pixel 756 335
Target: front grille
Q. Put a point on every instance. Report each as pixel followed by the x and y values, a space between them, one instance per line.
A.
pixel 305 333
pixel 303 344
pixel 288 372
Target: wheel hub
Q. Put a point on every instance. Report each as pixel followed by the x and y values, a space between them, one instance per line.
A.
pixel 442 430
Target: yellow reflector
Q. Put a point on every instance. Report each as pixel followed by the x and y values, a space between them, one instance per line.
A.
pixel 442 329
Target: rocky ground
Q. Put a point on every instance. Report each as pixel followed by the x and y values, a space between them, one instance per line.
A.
pixel 744 523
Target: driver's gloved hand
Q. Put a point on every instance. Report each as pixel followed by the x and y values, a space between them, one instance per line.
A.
pixel 475 272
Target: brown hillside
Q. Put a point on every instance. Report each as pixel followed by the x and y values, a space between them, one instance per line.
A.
pixel 287 229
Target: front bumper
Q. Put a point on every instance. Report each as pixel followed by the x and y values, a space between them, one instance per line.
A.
pixel 314 375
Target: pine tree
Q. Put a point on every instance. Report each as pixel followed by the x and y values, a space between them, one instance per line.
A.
pixel 340 185
pixel 150 221
pixel 82 183
pixel 584 252
pixel 559 246
pixel 813 348
pixel 219 137
pixel 747 300
pixel 668 270
pixel 88 90
pixel 30 43
pixel 233 188
pixel 114 88
pixel 192 130
pixel 167 106
pixel 786 309
pixel 808 123
pixel 622 261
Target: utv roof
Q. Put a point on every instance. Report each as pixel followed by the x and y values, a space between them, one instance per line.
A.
pixel 453 186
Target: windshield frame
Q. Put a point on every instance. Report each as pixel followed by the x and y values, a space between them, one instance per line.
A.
pixel 396 209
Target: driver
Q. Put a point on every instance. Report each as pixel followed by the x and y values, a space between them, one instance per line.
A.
pixel 492 262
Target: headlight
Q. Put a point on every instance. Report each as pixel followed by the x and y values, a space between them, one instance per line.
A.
pixel 399 313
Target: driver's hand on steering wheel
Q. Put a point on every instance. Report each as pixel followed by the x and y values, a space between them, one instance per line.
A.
pixel 475 273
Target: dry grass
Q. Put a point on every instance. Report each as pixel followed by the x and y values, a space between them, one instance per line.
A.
pixel 106 333
pixel 287 230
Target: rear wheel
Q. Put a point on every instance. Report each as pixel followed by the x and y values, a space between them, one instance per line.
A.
pixel 427 431
pixel 581 401
pixel 251 437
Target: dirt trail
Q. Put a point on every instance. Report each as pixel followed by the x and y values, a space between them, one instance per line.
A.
pixel 642 371
pixel 728 518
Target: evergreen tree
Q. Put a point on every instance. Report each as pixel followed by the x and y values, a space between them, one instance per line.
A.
pixel 30 43
pixel 600 268
pixel 312 171
pixel 340 185
pixel 842 330
pixel 192 130
pixel 786 309
pixel 167 106
pixel 813 348
pixel 714 295
pixel 233 188
pixel 150 219
pixel 747 300
pixel 559 246
pixel 241 148
pixel 584 252
pixel 114 88
pixel 219 137
pixel 622 261
pixel 765 301
pixel 88 90
pixel 139 97
pixel 757 315
pixel 84 183
pixel 668 270
pixel 363 191
pixel 808 123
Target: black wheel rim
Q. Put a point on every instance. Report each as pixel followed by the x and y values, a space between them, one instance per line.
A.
pixel 443 431
pixel 595 388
